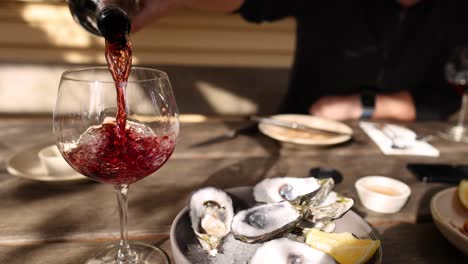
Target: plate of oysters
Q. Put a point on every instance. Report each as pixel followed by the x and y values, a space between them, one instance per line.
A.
pixel 279 220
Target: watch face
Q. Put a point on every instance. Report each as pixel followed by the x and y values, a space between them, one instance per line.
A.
pixel 367 113
pixel 368 105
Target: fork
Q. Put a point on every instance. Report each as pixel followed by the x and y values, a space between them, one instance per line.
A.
pixel 396 142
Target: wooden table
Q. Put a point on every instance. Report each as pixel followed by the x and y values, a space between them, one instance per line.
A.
pixel 65 223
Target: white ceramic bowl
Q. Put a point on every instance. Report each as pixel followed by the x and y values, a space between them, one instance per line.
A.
pixel 382 194
pixel 447 212
pixel 53 161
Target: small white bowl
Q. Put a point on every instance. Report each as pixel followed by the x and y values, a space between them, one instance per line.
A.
pixel 53 161
pixel 382 194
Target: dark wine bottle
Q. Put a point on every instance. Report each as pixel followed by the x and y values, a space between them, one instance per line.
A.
pixel 113 24
pixel 107 18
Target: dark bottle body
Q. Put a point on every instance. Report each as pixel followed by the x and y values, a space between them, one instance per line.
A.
pixel 104 17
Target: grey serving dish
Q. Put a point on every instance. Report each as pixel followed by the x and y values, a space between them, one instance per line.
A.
pixel 182 235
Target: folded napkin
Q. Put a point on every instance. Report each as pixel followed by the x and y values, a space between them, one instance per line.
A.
pixel 397 140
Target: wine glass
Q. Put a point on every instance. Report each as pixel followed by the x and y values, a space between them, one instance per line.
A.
pixel 456 71
pixel 117 147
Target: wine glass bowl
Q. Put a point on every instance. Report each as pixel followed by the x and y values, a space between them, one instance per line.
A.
pixel 113 145
pixel 456 72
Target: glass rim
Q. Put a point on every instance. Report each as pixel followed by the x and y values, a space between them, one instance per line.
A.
pixel 162 74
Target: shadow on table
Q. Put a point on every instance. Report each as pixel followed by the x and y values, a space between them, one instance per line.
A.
pixel 41 254
pixel 163 201
pixel 35 190
pixel 240 129
pixel 247 172
pixel 163 204
pixel 63 252
pixel 417 243
pixel 48 212
pixel 424 207
pixel 157 208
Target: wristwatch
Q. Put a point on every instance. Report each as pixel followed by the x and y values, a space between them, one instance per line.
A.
pixel 368 104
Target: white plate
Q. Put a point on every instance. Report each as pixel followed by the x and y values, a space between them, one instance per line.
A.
pixel 305 137
pixel 447 211
pixel 26 164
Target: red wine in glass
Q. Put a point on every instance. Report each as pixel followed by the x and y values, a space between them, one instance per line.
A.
pixel 115 152
pixel 118 150
pixel 460 88
pixel 457 77
pixel 91 142
pixel 456 71
pixel 100 155
pixel 119 60
pixel 115 26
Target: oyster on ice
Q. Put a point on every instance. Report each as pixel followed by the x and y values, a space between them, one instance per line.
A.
pixel 326 187
pixel 303 190
pixel 326 206
pixel 286 188
pixel 287 251
pixel 266 221
pixel 321 204
pixel 331 211
pixel 211 214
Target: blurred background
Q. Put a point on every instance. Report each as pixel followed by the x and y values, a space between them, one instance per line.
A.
pixel 218 64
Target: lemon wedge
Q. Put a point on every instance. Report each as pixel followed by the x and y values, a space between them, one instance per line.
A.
pixel 343 247
pixel 463 193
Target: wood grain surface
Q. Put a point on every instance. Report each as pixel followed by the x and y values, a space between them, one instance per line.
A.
pixel 40 221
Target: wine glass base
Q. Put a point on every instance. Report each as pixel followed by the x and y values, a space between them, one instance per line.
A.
pixel 456 133
pixel 146 254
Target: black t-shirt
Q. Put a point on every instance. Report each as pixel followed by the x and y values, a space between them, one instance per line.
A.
pixel 346 47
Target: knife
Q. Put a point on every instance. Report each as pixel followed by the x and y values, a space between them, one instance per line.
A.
pixel 228 135
pixel 298 126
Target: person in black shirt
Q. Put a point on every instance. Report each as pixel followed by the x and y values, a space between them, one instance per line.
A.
pixel 358 58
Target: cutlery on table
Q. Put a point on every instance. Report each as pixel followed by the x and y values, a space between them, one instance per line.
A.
pixel 397 142
pixel 228 135
pixel 251 127
pixel 298 126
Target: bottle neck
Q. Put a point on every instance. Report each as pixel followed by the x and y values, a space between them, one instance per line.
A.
pixel 113 24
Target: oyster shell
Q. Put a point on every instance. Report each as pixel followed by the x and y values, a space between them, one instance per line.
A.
pixel 325 226
pixel 330 211
pixel 320 197
pixel 309 191
pixel 287 251
pixel 326 206
pixel 286 188
pixel 266 221
pixel 211 213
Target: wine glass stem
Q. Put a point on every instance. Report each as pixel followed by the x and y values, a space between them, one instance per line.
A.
pixel 125 254
pixel 461 115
